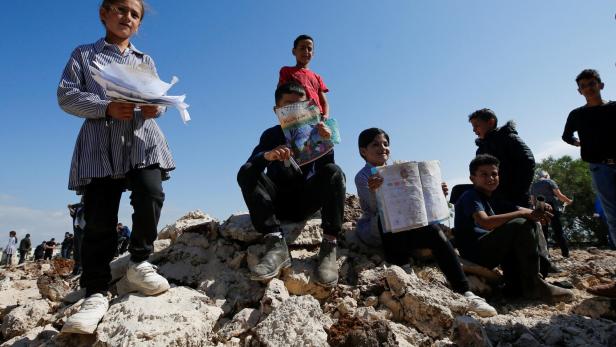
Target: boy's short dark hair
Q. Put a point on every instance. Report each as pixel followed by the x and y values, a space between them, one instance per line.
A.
pixel 291 87
pixel 301 38
pixel 367 136
pixel 588 74
pixel 485 114
pixel 482 159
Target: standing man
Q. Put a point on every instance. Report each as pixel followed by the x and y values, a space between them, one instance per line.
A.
pixel 24 248
pixel 595 123
pixel 547 189
pixel 49 246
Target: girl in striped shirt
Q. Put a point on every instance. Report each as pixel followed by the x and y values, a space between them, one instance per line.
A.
pixel 118 148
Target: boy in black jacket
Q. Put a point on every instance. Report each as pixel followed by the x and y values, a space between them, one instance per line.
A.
pixel 517 163
pixel 288 193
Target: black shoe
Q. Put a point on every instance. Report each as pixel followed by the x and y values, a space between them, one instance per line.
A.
pixel 327 269
pixel 276 258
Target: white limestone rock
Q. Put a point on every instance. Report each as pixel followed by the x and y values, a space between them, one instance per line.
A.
pixel 275 294
pixel 24 318
pixel 192 221
pixel 179 317
pixel 299 321
pixel 243 321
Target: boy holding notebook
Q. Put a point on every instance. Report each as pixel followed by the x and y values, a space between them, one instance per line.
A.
pixel 287 192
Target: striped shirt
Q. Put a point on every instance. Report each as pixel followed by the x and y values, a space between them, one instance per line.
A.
pixel 107 149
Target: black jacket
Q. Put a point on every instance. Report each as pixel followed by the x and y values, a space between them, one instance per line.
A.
pixel 276 171
pixel 517 163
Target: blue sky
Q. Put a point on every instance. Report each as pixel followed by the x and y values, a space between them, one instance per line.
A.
pixel 413 68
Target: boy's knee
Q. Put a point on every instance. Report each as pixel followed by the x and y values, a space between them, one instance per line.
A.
pixel 335 175
pixel 244 174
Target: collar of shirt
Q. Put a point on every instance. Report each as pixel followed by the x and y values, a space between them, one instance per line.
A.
pixel 101 44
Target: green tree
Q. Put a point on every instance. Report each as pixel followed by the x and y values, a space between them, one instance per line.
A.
pixel 573 179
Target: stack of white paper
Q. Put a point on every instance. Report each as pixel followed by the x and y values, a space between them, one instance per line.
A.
pixel 138 84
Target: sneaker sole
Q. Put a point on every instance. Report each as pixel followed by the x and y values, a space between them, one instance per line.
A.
pixel 285 264
pixel 76 329
pixel 154 291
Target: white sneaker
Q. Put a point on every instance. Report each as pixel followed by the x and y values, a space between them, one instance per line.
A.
pixel 143 277
pixel 479 305
pixel 86 319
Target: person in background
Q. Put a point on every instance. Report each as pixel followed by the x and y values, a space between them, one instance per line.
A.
pixel 49 247
pixel 79 223
pixel 11 248
pixel 39 251
pixel 548 190
pixel 24 248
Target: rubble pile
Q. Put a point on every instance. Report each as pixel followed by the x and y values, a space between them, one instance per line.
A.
pixel 212 301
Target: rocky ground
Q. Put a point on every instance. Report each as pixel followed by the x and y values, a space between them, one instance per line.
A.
pixel 212 302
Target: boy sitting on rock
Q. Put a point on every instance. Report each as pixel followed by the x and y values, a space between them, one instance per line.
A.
pixel 509 239
pixel 284 192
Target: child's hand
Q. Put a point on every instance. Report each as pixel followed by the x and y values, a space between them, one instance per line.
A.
pixel 281 153
pixel 324 131
pixel 150 111
pixel 445 188
pixel 120 110
pixel 375 182
pixel 324 116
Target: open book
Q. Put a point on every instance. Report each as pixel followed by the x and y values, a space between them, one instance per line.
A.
pixel 298 122
pixel 411 195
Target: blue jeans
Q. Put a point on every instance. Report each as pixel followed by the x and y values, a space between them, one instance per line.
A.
pixel 604 184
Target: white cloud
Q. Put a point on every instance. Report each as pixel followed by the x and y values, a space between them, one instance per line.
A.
pixel 40 224
pixel 556 149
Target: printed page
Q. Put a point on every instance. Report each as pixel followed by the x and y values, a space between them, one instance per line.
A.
pixel 400 198
pixel 436 204
pixel 298 122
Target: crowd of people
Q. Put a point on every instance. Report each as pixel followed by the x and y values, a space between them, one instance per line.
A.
pixel 497 224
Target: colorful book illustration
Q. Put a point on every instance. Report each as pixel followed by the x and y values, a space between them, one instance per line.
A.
pixel 298 122
pixel 411 195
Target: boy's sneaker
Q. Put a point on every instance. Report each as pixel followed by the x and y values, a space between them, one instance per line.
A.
pixel 479 305
pixel 143 277
pixel 276 258
pixel 86 319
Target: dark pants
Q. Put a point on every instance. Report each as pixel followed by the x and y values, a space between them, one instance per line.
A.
pixel 268 203
pixel 515 247
pixel 100 239
pixel 48 254
pixel 557 229
pixel 397 248
pixel 22 255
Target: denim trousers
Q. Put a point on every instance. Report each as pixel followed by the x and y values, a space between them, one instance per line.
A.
pixel 604 184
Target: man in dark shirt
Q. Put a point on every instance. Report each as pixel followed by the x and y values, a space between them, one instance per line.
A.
pixel 546 189
pixel 292 193
pixel 24 248
pixel 509 239
pixel 49 246
pixel 595 124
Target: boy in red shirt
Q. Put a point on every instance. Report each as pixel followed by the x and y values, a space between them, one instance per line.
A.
pixel 303 50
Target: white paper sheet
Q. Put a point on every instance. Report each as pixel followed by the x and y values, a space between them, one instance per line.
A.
pixel 138 84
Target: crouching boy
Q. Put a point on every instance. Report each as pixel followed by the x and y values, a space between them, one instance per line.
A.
pixel 509 239
pixel 288 193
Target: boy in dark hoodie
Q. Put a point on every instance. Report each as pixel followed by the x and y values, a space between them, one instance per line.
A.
pixel 517 163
